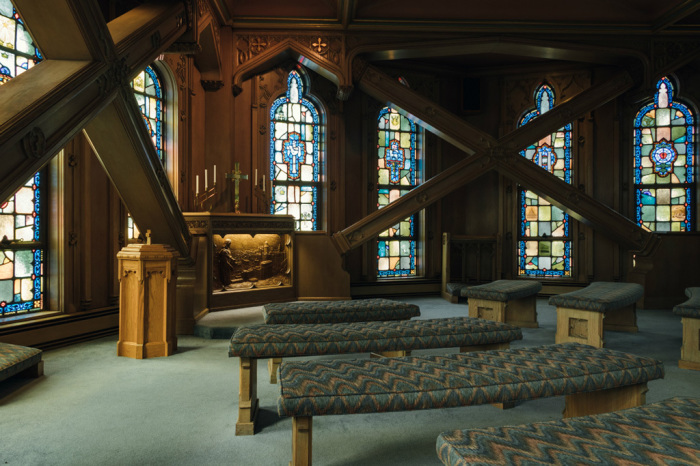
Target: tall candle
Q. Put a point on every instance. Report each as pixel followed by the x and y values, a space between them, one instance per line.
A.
pixel 206 184
pixel 256 177
pixel 215 174
pixel 263 183
pixel 196 192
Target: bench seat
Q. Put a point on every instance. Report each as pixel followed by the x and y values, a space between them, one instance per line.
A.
pixel 593 380
pixel 390 338
pixel 666 432
pixel 582 315
pixel 16 359
pixel 510 301
pixel 327 312
pixel 689 311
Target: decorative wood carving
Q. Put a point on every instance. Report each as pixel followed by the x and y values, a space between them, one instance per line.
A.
pixel 212 85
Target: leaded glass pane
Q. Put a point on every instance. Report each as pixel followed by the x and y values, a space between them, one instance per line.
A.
pixel 148 91
pixel 396 167
pixel 295 155
pixel 539 220
pixel 664 162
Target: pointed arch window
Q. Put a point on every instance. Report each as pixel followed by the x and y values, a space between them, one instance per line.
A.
pixel 397 174
pixel 148 89
pixel 22 238
pixel 545 244
pixel 295 165
pixel 664 162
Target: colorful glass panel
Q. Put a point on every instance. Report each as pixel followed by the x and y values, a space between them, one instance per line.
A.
pixel 544 247
pixel 295 156
pixel 149 96
pixel 18 52
pixel 396 175
pixel 664 162
pixel 22 253
pixel 22 266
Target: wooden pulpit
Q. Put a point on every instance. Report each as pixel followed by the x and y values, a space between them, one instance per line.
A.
pixel 147 277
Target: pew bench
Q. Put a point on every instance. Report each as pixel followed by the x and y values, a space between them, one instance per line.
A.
pixel 583 315
pixel 22 360
pixel 666 432
pixel 389 339
pixel 690 318
pixel 328 312
pixel 593 380
pixel 510 301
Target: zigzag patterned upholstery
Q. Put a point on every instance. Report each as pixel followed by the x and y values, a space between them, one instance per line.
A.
pixel 15 359
pixel 327 312
pixel 600 296
pixel 267 341
pixel 666 432
pixel 315 388
pixel 503 290
pixel 691 307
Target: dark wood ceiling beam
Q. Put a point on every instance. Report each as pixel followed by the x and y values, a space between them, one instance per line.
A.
pixel 488 153
pixel 54 100
pixel 675 14
pixel 346 12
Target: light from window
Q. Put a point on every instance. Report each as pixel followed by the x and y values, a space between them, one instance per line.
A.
pixel 149 96
pixel 396 175
pixel 664 162
pixel 294 156
pixel 544 246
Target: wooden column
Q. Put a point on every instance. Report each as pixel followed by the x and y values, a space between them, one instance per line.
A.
pixel 147 275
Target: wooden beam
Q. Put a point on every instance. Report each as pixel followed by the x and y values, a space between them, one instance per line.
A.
pixel 675 14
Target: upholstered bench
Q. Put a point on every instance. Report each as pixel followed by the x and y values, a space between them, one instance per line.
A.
pixel 666 432
pixel 390 338
pixel 22 360
pixel 510 301
pixel 580 313
pixel 690 317
pixel 328 312
pixel 593 380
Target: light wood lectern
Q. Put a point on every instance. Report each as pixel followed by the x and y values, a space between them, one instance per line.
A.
pixel 147 277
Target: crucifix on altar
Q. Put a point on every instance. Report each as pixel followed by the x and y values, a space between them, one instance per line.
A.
pixel 236 175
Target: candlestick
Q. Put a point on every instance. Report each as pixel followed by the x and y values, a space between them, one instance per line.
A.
pixel 263 178
pixel 215 174
pixel 256 177
pixel 197 184
pixel 206 184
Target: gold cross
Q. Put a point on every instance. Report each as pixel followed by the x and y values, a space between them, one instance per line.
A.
pixel 320 44
pixel 236 175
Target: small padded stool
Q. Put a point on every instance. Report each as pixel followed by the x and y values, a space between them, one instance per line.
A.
pixel 331 312
pixel 509 301
pixel 690 317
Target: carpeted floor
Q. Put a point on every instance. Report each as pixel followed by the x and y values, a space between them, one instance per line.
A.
pixel 94 408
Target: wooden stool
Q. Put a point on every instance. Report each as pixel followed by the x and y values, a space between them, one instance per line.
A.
pixel 690 318
pixel 509 301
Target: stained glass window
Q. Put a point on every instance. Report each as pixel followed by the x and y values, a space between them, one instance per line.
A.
pixel 294 156
pixel 17 50
pixel 664 162
pixel 544 246
pixel 397 174
pixel 148 90
pixel 21 238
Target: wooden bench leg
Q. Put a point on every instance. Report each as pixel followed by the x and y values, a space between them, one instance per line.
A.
pixel 301 440
pixel 579 326
pixel 487 310
pixel 522 312
pixel 605 401
pixel 622 320
pixel 390 354
pixel 37 370
pixel 247 396
pixel 690 351
pixel 273 365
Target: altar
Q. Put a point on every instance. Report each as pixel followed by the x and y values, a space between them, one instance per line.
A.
pixel 242 259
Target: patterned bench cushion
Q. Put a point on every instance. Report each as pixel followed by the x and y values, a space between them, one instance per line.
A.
pixel 266 341
pixel 328 312
pixel 600 296
pixel 690 308
pixel 503 290
pixel 666 432
pixel 454 289
pixel 15 358
pixel 314 388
